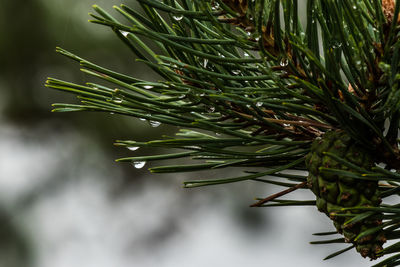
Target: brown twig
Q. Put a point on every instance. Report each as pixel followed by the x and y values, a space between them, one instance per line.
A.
pixel 279 194
pixel 301 121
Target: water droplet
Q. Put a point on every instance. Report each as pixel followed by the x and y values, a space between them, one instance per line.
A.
pixel 211 109
pixel 236 72
pixel 205 62
pixel 214 5
pixel 142 119
pixel 178 17
pixel 133 148
pixel 117 100
pixel 193 147
pixel 284 62
pixel 336 44
pixel 257 38
pixel 139 164
pixel 148 87
pixel 259 104
pixel 124 33
pixel 154 123
pixel 246 54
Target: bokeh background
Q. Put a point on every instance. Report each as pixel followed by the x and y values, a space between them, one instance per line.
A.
pixel 65 202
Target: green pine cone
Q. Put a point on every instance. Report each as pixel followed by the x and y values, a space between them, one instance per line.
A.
pixel 335 192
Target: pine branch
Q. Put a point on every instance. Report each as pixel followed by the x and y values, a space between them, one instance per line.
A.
pixel 273 90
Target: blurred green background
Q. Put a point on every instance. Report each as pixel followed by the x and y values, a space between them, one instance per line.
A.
pixel 65 202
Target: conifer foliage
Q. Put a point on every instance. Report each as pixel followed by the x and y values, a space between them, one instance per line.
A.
pixel 253 86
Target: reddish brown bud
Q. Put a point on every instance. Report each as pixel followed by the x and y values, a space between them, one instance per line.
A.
pixel 239 6
pixel 388 10
pixel 350 89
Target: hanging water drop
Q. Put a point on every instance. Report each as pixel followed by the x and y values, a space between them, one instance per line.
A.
pixel 205 62
pixel 117 100
pixel 132 148
pixel 115 96
pixel 154 123
pixel 284 62
pixel 236 72
pixel 211 109
pixel 336 44
pixel 178 17
pixel 139 164
pixel 214 5
pixel 124 33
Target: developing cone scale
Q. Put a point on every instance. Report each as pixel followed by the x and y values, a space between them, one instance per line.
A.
pixel 388 7
pixel 334 192
pixel 239 6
